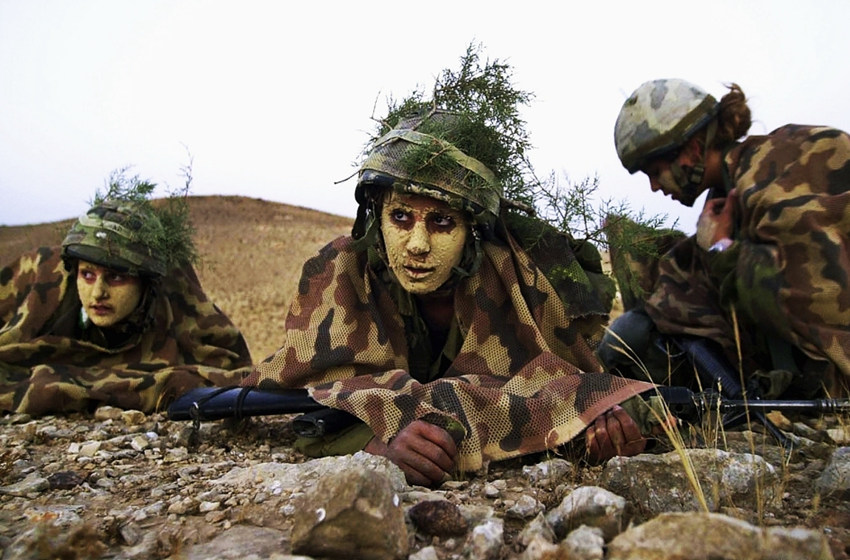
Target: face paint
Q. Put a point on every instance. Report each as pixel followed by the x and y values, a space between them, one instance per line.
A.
pixel 424 239
pixel 108 296
pixel 675 180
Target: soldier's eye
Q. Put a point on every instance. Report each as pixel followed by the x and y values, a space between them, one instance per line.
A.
pixel 398 215
pixel 443 220
pixel 119 278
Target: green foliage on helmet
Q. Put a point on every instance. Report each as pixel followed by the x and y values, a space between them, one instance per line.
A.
pixel 419 157
pixel 658 117
pixel 124 230
pixel 475 111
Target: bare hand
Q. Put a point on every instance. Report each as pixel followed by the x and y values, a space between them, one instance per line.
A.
pixel 613 433
pixel 424 452
pixel 716 220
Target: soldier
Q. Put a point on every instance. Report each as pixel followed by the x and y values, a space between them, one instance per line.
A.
pixel 766 274
pixel 114 316
pixel 434 327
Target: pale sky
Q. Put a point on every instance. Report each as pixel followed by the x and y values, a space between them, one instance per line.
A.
pixel 273 99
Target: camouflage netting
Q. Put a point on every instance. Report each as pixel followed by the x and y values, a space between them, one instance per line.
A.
pixel 517 370
pixel 524 380
pixel 51 362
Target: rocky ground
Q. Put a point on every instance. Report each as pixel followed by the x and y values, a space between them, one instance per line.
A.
pixel 120 484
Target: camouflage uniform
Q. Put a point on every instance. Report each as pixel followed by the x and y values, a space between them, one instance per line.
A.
pixel 51 360
pixel 785 280
pixel 516 372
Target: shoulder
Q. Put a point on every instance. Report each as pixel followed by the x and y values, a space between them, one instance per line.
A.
pixel 787 145
pixel 799 135
pixel 42 264
pixel 341 253
pixel 792 130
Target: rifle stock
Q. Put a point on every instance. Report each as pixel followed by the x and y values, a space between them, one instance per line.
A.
pixel 216 403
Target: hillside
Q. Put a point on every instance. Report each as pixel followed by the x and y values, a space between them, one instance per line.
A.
pixel 251 256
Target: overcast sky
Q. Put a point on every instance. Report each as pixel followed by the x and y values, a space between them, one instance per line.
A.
pixel 273 99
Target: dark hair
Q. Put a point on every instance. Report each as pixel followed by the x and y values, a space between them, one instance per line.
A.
pixel 734 117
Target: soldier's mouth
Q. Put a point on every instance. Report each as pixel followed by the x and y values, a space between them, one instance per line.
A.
pixel 418 272
pixel 101 309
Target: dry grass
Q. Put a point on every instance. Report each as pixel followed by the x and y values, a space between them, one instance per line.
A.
pixel 251 250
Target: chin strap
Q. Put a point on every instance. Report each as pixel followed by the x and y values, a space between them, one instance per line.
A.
pixel 689 179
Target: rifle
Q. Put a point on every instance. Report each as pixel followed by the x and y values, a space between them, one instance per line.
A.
pixel 691 406
pixel 739 405
pixel 216 403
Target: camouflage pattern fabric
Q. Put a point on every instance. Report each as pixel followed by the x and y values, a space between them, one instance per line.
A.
pixel 524 380
pixel 786 277
pixel 44 368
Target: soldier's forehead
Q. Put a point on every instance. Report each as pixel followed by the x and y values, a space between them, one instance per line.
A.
pixel 88 264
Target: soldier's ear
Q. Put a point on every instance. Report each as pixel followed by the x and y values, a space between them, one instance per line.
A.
pixel 693 149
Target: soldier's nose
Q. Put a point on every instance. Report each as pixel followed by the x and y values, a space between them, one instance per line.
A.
pixel 100 289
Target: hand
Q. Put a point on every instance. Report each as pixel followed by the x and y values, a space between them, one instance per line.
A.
pixel 424 452
pixel 716 220
pixel 613 433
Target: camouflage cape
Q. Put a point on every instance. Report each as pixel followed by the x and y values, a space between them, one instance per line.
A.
pixel 786 277
pixel 525 378
pixel 191 343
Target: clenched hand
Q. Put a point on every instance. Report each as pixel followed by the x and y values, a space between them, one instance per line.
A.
pixel 613 433
pixel 424 452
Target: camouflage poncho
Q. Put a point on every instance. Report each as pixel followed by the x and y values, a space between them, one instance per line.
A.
pixel 786 277
pixel 525 378
pixel 46 366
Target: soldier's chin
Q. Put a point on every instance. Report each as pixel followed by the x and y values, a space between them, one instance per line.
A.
pixel 421 286
pixel 104 321
pixel 689 194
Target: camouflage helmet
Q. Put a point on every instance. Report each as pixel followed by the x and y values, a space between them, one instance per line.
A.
pixel 660 116
pixel 416 158
pixel 112 234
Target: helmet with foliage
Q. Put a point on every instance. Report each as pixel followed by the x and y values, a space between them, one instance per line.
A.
pixel 124 231
pixel 420 155
pixel 660 116
pixel 111 234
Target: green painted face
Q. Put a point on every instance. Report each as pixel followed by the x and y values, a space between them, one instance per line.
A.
pixel 424 239
pixel 108 296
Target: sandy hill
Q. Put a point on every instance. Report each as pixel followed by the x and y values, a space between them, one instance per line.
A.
pixel 251 250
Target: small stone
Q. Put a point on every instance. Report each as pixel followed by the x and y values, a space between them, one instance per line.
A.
pixel 439 518
pixel 32 484
pixel 105 413
pixel 90 448
pixel 491 491
pixel 140 443
pixel 133 417
pixel 525 507
pixel 205 507
pixel 64 480
pixel 131 533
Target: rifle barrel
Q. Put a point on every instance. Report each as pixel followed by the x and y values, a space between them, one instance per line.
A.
pixel 812 405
